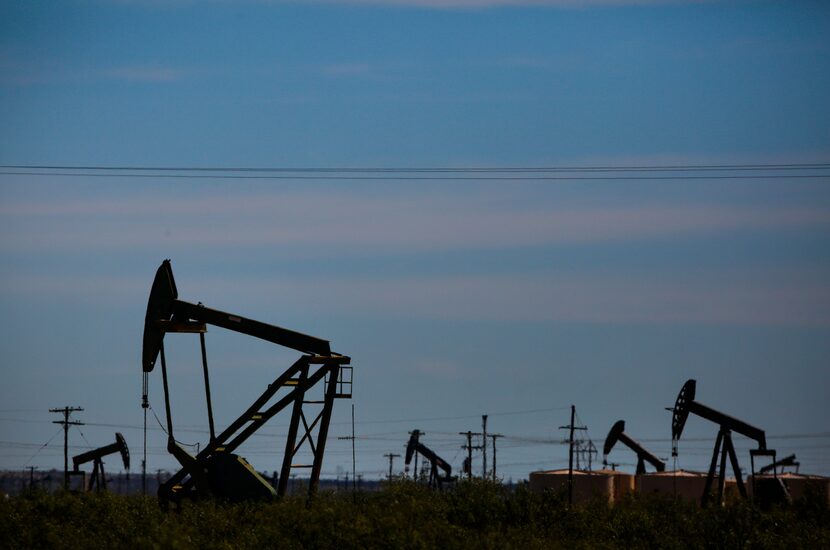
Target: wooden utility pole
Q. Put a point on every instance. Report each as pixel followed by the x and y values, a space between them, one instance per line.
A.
pixel 66 411
pixel 470 447
pixel 571 459
pixel 354 462
pixel 571 427
pixel 391 457
pixel 32 477
pixel 494 437
pixel 484 446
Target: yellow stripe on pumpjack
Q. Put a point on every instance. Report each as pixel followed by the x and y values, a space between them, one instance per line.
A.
pixel 291 382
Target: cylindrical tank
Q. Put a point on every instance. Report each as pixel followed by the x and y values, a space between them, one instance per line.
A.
pixel 588 485
pixel 683 484
pixel 624 483
pixel 799 485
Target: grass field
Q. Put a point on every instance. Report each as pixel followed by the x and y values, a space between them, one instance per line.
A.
pixel 404 515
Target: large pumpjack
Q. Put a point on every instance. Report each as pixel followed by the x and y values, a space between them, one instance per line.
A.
pixel 98 479
pixel 687 404
pixel 617 433
pixel 216 471
pixel 436 480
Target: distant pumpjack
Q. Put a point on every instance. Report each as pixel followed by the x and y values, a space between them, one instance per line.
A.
pixel 98 479
pixel 686 404
pixel 787 461
pixel 617 433
pixel 435 479
pixel 216 471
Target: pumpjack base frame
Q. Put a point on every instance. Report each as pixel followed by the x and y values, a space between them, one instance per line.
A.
pixel 193 480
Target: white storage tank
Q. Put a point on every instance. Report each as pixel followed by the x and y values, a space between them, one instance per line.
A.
pixel 588 485
pixel 683 484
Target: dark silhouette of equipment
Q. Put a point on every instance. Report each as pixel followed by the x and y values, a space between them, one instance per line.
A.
pixel 436 480
pixel 98 479
pixel 787 461
pixel 617 433
pixel 216 470
pixel 685 405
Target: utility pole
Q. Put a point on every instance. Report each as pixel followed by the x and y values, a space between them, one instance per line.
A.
pixel 145 404
pixel 354 463
pixel 571 427
pixel 494 437
pixel 591 450
pixel 391 457
pixel 484 446
pixel 32 477
pixel 469 447
pixel 66 411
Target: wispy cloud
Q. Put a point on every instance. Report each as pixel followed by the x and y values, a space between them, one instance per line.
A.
pixel 414 223
pixel 473 4
pixel 424 4
pixel 146 73
pixel 24 74
pixel 426 221
pixel 729 297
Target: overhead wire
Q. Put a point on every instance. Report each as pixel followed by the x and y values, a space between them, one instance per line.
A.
pixel 414 178
pixel 432 169
pixel 28 462
pixel 474 173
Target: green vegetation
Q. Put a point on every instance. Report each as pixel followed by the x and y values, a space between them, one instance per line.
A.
pixel 404 515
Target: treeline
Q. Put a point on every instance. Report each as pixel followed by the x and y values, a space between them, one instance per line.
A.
pixel 405 515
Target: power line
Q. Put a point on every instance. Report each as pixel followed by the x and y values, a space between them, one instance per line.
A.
pixel 44 445
pixel 518 438
pixel 416 178
pixel 435 169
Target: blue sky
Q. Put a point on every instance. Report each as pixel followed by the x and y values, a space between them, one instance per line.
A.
pixel 455 298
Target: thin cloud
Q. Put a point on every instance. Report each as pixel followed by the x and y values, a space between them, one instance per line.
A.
pixel 146 74
pixel 725 297
pixel 410 223
pixel 473 4
pixel 479 4
pixel 23 75
pixel 423 4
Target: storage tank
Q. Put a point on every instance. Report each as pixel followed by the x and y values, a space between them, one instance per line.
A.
pixel 798 485
pixel 683 484
pixel 588 485
pixel 624 483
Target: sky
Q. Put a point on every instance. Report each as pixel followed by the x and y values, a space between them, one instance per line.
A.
pixel 511 293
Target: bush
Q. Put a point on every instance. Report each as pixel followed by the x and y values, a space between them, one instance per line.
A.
pixel 475 514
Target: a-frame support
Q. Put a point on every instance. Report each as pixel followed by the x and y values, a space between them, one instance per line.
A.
pixel 98 479
pixel 192 477
pixel 723 447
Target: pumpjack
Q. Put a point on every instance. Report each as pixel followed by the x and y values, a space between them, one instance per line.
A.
pixel 435 462
pixel 98 479
pixel 686 404
pixel 617 433
pixel 787 461
pixel 216 471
